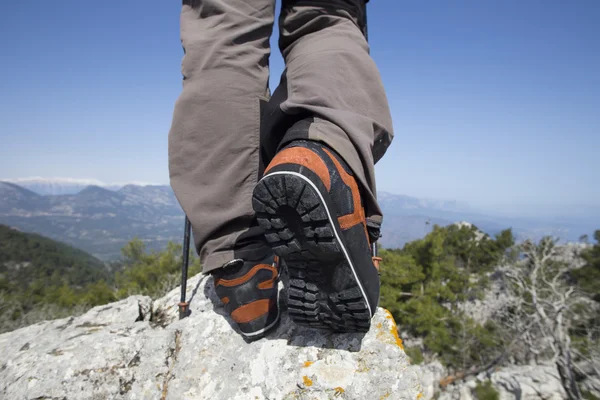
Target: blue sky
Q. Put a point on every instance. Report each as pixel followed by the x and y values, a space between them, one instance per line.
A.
pixel 496 103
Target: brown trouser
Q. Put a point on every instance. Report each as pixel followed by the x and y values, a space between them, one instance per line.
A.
pixel 226 126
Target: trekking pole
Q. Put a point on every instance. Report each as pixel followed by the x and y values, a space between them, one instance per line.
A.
pixel 184 307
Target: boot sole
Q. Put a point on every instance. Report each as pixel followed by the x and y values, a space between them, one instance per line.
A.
pixel 324 292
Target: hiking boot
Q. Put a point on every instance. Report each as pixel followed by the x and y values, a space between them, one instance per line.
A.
pixel 309 204
pixel 249 292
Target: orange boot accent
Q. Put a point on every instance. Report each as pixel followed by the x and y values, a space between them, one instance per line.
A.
pixel 305 157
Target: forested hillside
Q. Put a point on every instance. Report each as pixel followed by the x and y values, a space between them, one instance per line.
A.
pixel 475 303
pixel 44 279
pixel 425 283
pixel 26 258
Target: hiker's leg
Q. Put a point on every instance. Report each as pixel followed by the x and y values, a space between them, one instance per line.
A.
pixel 331 77
pixel 214 137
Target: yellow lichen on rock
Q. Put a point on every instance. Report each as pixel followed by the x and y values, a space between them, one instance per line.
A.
pixel 338 391
pixel 394 329
pixel 381 333
pixel 307 381
pixel 308 364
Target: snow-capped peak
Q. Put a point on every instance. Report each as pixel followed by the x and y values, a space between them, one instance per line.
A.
pixel 64 185
pixel 54 180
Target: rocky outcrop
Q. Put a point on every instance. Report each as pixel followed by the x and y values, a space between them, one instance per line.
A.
pixel 524 382
pixel 529 382
pixel 430 376
pixel 138 349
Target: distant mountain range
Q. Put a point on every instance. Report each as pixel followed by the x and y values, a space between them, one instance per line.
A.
pixel 96 219
pixel 58 186
pixel 101 218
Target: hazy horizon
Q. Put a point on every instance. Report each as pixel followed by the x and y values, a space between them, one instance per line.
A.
pixel 514 210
